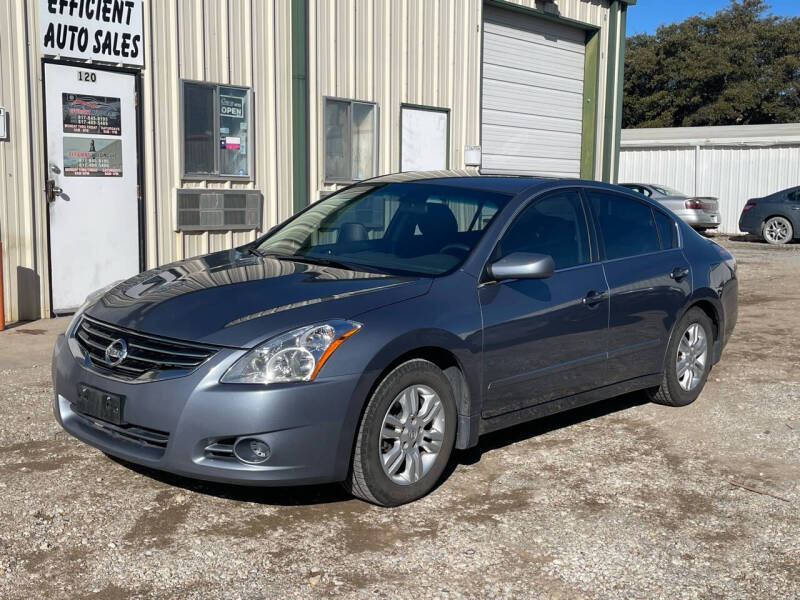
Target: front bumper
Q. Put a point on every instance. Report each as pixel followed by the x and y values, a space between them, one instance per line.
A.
pixel 309 427
pixel 699 218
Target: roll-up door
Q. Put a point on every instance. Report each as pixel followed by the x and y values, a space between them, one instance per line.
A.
pixel 532 95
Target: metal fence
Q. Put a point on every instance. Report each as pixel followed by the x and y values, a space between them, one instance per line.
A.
pixel 730 163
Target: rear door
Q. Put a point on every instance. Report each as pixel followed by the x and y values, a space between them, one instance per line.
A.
pixel 649 280
pixel 545 338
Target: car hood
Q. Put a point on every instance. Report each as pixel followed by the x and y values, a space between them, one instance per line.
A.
pixel 238 299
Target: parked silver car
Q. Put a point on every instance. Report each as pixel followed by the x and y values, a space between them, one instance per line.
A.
pixel 700 212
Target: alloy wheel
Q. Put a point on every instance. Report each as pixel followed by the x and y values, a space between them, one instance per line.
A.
pixel 777 230
pixel 412 434
pixel 692 356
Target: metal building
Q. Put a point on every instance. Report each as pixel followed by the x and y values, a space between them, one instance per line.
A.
pixel 135 133
pixel 733 163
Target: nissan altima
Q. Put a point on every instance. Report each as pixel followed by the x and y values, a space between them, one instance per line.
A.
pixel 370 335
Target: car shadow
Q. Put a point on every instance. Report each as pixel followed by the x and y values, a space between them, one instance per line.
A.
pixel 307 495
pixel 745 237
pixel 531 429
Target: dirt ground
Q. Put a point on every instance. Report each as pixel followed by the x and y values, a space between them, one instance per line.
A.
pixel 623 499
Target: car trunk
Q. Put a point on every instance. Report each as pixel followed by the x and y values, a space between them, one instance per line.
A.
pixel 708 203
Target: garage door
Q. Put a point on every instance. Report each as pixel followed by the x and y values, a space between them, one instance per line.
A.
pixel 532 95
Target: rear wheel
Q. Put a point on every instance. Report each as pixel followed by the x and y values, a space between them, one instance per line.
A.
pixel 405 437
pixel 777 230
pixel 688 360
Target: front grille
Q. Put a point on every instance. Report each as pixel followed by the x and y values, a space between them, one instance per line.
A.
pixel 143 436
pixel 147 355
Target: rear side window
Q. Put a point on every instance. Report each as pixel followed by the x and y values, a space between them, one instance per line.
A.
pixel 554 225
pixel 627 227
pixel 666 230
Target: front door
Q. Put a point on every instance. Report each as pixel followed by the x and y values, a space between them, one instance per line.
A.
pixel 91 179
pixel 545 339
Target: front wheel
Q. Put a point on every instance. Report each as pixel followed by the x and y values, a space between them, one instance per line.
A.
pixel 777 230
pixel 688 360
pixel 405 437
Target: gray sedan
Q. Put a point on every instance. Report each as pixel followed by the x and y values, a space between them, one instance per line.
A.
pixel 370 335
pixel 700 212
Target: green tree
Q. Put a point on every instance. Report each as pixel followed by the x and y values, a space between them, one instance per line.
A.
pixel 739 66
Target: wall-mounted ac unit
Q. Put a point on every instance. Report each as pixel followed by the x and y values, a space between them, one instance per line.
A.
pixel 199 209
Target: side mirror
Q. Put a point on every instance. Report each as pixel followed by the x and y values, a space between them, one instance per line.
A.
pixel 522 265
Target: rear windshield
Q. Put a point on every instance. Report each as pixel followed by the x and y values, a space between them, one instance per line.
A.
pixel 405 228
pixel 667 191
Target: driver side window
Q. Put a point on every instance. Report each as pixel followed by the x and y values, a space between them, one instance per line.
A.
pixel 554 225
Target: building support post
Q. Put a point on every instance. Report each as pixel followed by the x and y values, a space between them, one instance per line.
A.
pixel 300 109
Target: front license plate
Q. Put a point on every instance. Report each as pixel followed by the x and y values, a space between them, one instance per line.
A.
pixel 99 404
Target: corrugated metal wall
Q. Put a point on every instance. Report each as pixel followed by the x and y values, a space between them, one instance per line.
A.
pixel 732 173
pixel 237 42
pixel 424 52
pixel 388 51
pixel 22 228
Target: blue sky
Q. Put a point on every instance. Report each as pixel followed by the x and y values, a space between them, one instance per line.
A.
pixel 646 15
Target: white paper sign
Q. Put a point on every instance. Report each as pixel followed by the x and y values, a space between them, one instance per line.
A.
pixel 100 30
pixel 3 121
pixel 424 139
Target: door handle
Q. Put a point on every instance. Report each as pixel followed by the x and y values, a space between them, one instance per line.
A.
pixel 52 191
pixel 679 273
pixel 593 298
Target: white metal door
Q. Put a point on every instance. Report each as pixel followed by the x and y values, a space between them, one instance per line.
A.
pixel 532 82
pixel 92 160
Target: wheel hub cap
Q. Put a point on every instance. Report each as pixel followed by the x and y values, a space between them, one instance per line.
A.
pixel 692 355
pixel 411 434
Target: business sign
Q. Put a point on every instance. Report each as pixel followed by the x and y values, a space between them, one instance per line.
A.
pixel 91 114
pixel 231 106
pixel 100 30
pixel 90 157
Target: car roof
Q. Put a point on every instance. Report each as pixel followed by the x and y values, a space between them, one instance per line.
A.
pixel 509 184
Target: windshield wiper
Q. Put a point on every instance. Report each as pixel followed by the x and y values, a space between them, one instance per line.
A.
pixel 317 260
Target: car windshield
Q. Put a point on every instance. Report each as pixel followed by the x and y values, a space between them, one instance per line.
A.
pixel 667 191
pixel 412 228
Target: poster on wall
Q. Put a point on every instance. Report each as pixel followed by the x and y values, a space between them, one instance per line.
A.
pixel 92 157
pixel 91 114
pixel 100 30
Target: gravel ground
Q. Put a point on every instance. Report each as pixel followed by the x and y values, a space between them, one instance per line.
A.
pixel 623 499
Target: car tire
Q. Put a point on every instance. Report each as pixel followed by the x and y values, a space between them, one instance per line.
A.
pixel 401 422
pixel 777 230
pixel 680 388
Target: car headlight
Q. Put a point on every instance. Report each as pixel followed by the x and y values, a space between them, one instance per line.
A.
pixel 90 299
pixel 297 355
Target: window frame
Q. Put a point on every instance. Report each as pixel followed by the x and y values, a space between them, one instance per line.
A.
pixel 376 141
pixel 674 229
pixel 594 256
pixel 216 175
pixel 601 243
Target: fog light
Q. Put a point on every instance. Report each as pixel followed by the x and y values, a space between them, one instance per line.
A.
pixel 251 451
